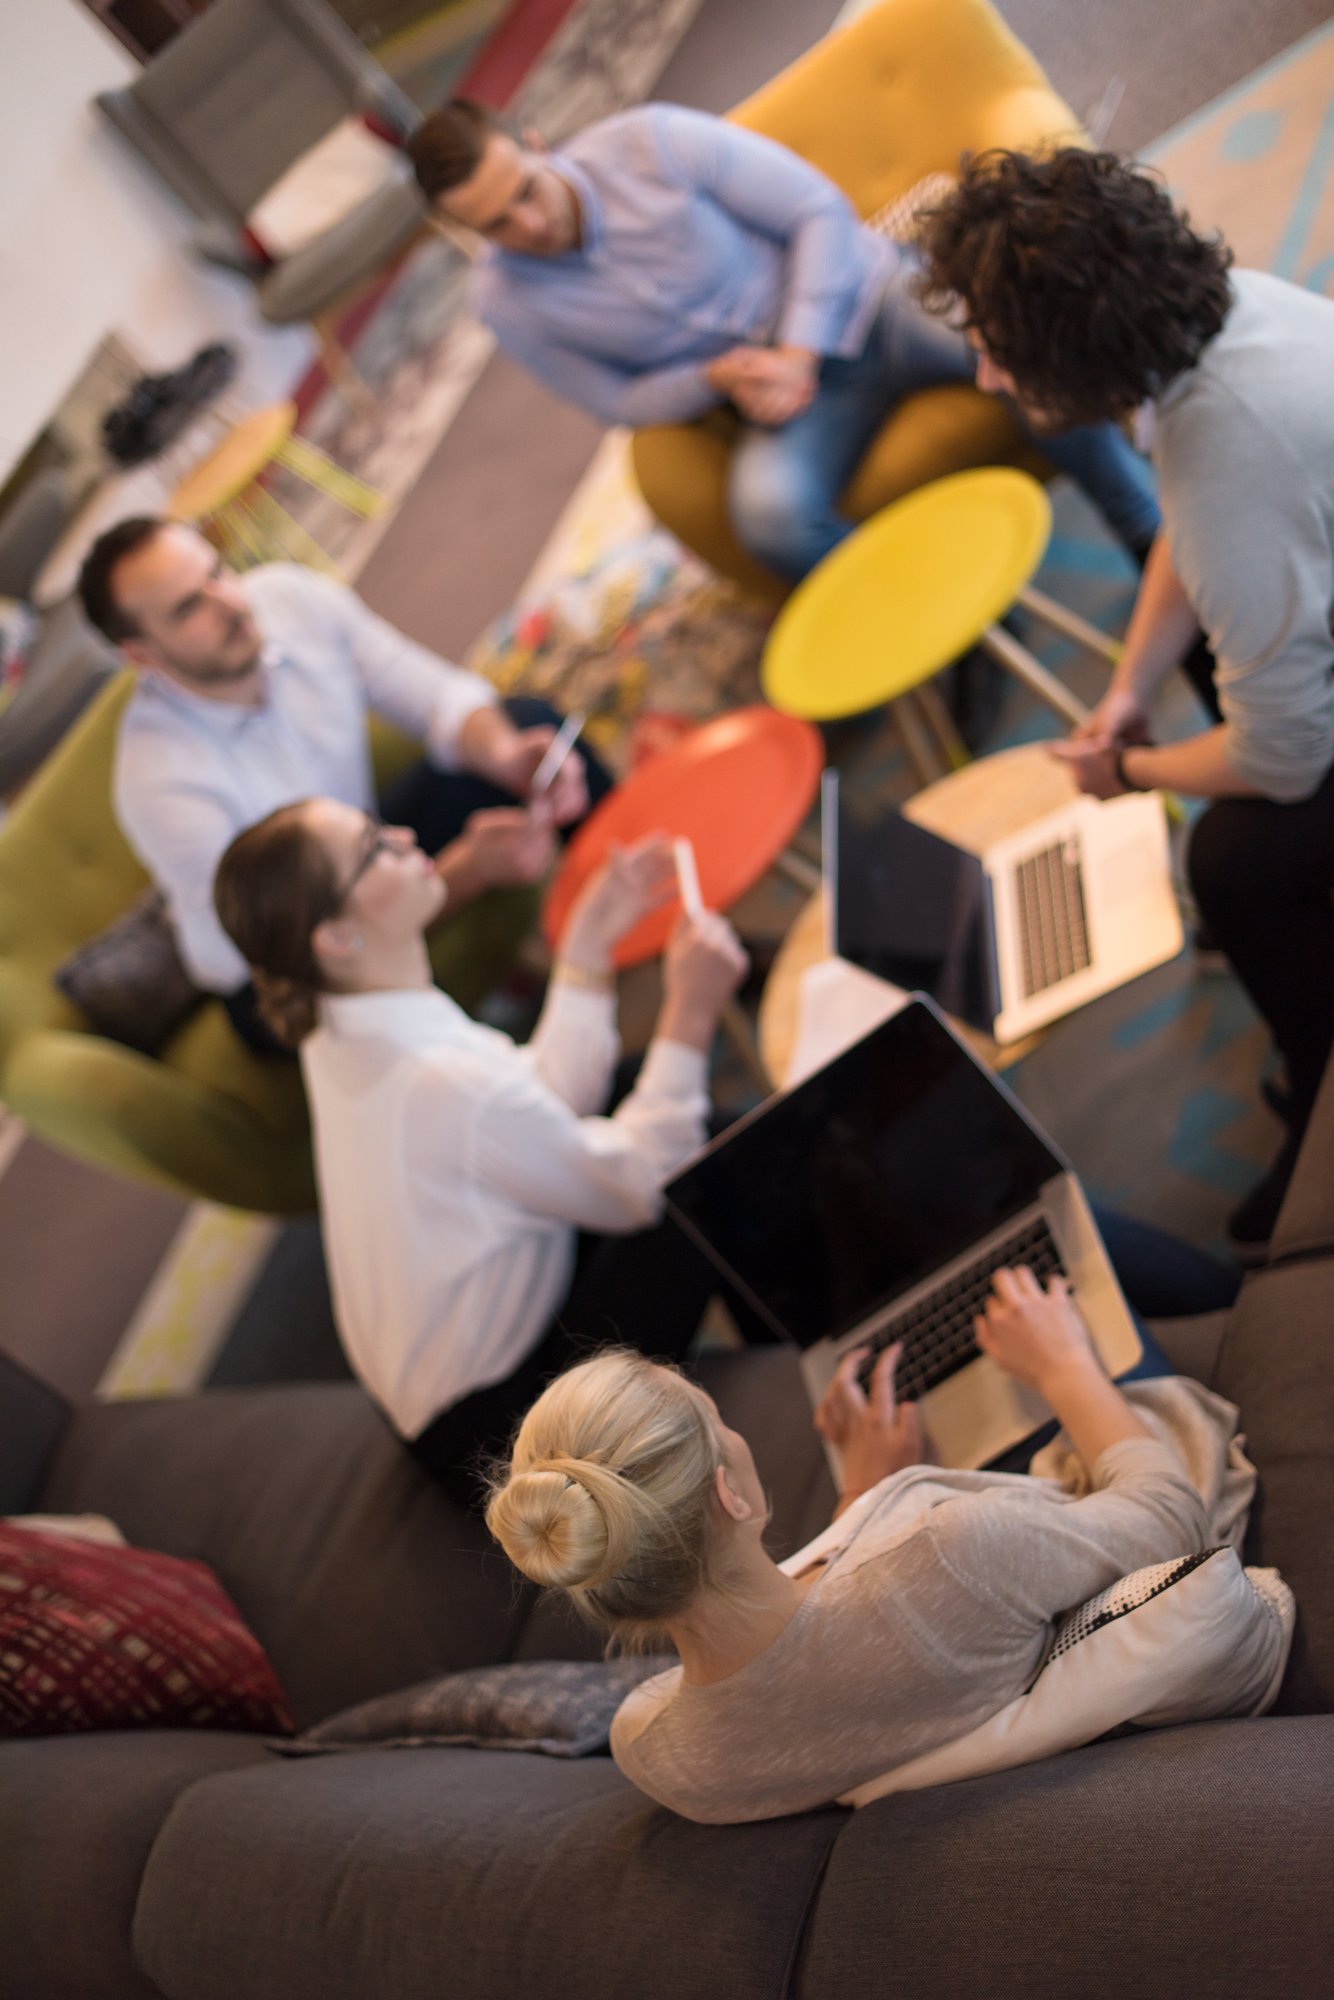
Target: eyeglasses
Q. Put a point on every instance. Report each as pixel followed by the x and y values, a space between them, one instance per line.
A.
pixel 380 843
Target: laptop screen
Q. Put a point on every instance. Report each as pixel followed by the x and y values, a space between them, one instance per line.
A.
pixel 913 909
pixel 829 1201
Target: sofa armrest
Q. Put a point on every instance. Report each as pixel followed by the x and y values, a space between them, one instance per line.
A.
pixel 33 1417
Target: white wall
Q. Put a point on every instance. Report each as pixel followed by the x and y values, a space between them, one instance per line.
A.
pixel 90 240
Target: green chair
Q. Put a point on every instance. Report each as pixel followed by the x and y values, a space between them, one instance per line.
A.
pixel 205 1117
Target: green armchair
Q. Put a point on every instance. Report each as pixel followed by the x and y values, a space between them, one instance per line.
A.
pixel 205 1117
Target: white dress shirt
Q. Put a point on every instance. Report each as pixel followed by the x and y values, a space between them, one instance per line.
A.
pixel 454 1169
pixel 192 773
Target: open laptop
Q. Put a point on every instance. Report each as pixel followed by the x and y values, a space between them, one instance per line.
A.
pixel 874 1202
pixel 1077 903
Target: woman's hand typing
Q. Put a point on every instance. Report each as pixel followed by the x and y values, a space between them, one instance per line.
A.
pixel 873 1433
pixel 1040 1339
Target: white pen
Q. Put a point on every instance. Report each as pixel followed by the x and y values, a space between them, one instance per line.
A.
pixel 559 748
pixel 687 878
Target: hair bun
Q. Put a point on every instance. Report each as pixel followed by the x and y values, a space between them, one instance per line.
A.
pixel 559 1523
pixel 287 1006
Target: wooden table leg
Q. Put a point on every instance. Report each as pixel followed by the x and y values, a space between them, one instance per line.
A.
pixel 1017 659
pixel 1061 619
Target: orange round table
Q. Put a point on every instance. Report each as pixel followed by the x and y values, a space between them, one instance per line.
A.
pixel 737 788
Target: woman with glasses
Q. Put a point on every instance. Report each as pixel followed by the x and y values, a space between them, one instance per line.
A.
pixel 483 1222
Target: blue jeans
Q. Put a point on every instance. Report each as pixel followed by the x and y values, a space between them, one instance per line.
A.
pixel 784 484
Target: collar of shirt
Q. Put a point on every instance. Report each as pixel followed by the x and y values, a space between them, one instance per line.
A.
pixel 223 718
pixel 411 1016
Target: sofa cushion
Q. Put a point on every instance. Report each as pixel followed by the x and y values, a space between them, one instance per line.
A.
pixel 96 1637
pixel 1191 1861
pixel 129 982
pixel 77 1817
pixel 1277 1365
pixel 562 1708
pixel 355 1574
pixel 453 1872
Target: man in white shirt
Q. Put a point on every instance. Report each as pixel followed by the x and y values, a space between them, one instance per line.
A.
pixel 254 691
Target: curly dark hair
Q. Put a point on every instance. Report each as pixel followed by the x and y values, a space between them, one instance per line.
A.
pixel 1080 278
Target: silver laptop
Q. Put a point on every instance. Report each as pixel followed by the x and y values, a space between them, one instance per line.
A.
pixel 875 1201
pixel 1077 903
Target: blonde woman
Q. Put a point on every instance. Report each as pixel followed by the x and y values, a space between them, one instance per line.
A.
pixel 926 1607
pixel 456 1170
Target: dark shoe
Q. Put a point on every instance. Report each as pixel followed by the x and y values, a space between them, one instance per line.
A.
pixel 1251 1224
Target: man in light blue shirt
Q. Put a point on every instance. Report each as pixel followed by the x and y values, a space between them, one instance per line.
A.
pixel 255 691
pixel 667 262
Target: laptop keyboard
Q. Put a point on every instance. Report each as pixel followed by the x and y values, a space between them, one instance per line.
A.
pixel 937 1330
pixel 1053 926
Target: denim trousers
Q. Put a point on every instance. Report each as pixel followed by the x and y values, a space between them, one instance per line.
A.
pixel 784 484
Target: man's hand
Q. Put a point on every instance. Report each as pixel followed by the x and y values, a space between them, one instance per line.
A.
pixel 873 1434
pixel 490 745
pixel 1092 760
pixel 769 385
pixel 503 847
pixel 1119 716
pixel 632 881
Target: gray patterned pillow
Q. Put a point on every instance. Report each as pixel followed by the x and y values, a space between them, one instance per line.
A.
pixel 130 982
pixel 562 1708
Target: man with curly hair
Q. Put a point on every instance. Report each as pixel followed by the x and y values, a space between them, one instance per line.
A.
pixel 1089 299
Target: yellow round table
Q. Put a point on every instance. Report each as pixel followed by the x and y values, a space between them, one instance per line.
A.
pixel 221 491
pixel 911 590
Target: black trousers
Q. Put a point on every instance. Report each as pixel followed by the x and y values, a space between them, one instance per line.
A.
pixel 436 805
pixel 1263 876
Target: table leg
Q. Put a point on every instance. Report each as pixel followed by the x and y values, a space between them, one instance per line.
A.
pixel 308 462
pixel 926 762
pixel 941 723
pixel 288 536
pixel 1017 659
pixel 1064 620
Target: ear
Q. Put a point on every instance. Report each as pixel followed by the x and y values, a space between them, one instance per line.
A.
pixel 734 1504
pixel 335 941
pixel 532 141
pixel 141 652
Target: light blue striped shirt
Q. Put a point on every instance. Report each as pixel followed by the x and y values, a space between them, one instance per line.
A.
pixel 697 236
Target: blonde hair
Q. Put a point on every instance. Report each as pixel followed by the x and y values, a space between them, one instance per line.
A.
pixel 607 1493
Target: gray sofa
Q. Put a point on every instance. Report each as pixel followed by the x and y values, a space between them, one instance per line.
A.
pixel 1188 1862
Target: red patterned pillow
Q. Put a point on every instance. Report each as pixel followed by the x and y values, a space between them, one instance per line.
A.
pixel 114 1638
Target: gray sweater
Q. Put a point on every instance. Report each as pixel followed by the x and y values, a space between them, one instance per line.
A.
pixel 1244 447
pixel 933 1611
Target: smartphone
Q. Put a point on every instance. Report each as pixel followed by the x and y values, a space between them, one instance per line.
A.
pixel 687 878
pixel 559 748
